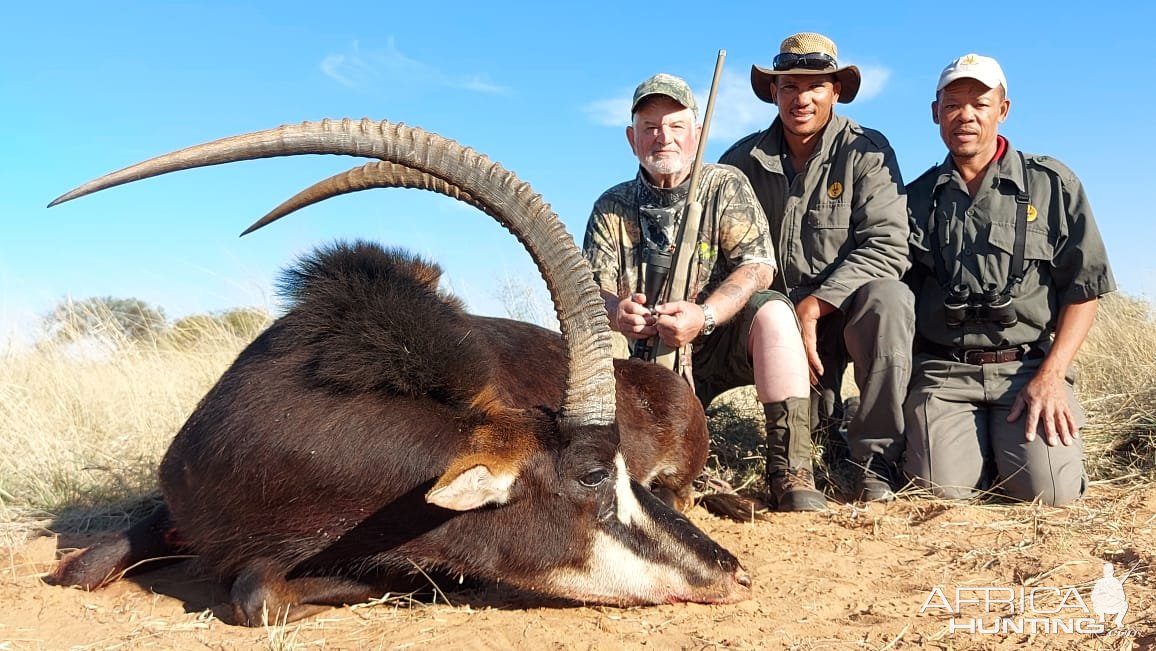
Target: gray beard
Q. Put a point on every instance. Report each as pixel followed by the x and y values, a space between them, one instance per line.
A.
pixel 665 166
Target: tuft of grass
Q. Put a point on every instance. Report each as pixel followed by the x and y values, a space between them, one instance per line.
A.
pixel 1116 382
pixel 737 441
pixel 85 421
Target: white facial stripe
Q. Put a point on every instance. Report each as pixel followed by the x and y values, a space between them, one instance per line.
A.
pixel 628 509
pixel 617 575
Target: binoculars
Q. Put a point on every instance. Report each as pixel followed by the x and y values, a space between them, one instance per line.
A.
pixel 655 271
pixel 991 305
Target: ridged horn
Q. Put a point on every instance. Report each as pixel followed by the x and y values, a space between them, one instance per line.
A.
pixel 379 174
pixel 589 395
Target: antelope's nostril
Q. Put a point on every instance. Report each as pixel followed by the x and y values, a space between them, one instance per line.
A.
pixel 744 579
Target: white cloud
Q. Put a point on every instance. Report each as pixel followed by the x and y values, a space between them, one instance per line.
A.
pixel 612 112
pixel 737 111
pixel 390 67
pixel 331 66
pixel 482 84
pixel 875 79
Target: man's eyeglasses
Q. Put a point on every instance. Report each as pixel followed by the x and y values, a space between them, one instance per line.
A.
pixel 808 61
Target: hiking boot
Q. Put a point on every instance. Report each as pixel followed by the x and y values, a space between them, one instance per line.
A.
pixel 874 480
pixel 794 490
pixel 789 465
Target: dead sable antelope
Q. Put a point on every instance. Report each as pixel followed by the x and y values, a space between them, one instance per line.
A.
pixel 376 429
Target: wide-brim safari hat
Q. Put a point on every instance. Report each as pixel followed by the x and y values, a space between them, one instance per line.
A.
pixel 806 53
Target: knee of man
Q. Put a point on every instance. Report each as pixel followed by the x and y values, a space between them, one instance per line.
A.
pixel 943 490
pixel 942 485
pixel 885 304
pixel 886 292
pixel 775 316
pixel 1049 491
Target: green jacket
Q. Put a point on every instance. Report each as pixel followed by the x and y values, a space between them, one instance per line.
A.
pixel 842 222
pixel 1065 256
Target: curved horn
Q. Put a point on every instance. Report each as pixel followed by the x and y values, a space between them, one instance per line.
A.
pixel 589 395
pixel 379 174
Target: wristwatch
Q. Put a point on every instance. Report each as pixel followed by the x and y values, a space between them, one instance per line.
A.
pixel 708 322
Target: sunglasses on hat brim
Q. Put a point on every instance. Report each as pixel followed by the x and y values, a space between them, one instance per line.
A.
pixel 809 61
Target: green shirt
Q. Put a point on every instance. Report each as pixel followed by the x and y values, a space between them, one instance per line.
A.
pixel 842 220
pixel 635 216
pixel 1065 256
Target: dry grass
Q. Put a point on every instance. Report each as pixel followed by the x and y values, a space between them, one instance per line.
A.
pixel 83 424
pixel 1117 384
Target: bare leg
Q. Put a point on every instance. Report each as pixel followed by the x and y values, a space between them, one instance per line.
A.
pixel 777 354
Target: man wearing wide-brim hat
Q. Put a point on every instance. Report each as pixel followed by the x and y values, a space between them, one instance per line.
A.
pixel 833 195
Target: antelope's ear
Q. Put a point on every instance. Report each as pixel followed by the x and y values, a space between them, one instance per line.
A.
pixel 496 450
pixel 471 488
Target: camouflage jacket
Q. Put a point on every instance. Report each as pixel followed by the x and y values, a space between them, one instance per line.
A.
pixel 634 217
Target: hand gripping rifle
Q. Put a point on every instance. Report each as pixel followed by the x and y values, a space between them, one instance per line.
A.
pixel 662 286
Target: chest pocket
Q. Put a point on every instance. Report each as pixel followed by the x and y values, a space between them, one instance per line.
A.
pixel 826 234
pixel 1037 246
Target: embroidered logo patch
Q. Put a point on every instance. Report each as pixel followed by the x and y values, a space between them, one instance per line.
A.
pixel 835 190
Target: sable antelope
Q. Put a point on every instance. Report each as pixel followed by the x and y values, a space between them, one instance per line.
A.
pixel 376 427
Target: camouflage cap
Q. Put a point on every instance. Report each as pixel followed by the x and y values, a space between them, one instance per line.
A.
pixel 663 84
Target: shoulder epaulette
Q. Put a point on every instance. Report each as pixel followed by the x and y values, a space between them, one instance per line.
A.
pixel 876 137
pixel 1050 164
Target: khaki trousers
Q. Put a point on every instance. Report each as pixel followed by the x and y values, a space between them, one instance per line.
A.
pixel 959 442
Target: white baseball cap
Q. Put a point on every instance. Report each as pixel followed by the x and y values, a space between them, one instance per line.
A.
pixel 983 69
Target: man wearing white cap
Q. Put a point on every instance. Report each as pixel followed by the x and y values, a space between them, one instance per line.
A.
pixel 1008 269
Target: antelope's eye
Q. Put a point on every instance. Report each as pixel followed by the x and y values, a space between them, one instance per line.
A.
pixel 594 478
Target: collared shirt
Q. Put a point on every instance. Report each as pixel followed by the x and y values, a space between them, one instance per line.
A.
pixel 842 220
pixel 1065 256
pixel 635 216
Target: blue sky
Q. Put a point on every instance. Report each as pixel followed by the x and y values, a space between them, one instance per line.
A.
pixel 87 88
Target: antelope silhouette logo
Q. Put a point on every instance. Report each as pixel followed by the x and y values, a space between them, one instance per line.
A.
pixel 1108 597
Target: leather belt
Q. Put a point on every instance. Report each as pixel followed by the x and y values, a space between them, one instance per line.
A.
pixel 981 356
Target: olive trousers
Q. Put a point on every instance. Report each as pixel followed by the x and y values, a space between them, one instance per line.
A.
pixel 960 444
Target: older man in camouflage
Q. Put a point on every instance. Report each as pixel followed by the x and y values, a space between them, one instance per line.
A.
pixel 740 333
pixel 834 197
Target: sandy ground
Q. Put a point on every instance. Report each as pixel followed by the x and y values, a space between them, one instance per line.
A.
pixel 850 578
